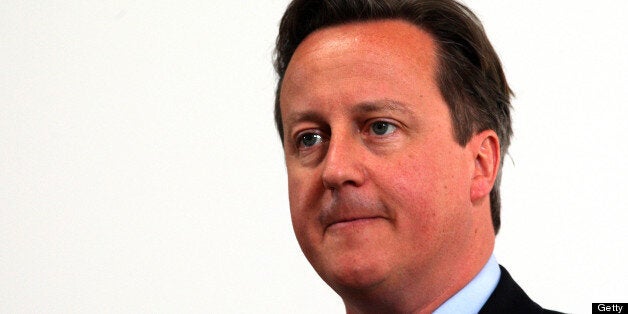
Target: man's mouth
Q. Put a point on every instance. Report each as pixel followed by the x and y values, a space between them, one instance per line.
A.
pixel 352 222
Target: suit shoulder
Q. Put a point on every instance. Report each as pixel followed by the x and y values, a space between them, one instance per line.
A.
pixel 508 297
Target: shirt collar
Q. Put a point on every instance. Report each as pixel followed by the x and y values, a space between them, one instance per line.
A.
pixel 473 296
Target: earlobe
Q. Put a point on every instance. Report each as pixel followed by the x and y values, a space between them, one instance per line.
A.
pixel 485 147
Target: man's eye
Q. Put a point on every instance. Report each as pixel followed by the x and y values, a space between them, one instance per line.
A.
pixel 309 139
pixel 382 128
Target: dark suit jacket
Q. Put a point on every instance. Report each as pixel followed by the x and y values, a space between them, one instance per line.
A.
pixel 509 298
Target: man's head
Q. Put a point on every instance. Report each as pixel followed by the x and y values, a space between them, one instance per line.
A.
pixel 469 73
pixel 392 114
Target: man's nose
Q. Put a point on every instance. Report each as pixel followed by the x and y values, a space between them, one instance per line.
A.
pixel 344 163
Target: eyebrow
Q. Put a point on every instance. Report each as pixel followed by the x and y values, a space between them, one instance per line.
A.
pixel 308 115
pixel 366 107
pixel 380 106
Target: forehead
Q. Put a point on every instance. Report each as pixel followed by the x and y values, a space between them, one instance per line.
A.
pixel 381 50
pixel 396 39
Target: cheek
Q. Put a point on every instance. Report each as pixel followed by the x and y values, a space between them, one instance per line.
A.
pixel 297 194
pixel 299 217
pixel 304 196
pixel 426 187
pixel 304 204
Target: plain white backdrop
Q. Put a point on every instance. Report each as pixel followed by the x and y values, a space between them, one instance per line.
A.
pixel 140 171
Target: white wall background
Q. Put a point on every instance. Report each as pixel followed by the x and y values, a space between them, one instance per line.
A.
pixel 140 171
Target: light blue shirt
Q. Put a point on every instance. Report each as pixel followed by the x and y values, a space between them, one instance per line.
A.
pixel 473 296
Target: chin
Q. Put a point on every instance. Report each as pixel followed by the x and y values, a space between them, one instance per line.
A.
pixel 354 273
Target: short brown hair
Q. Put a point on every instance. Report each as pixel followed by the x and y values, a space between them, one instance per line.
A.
pixel 469 74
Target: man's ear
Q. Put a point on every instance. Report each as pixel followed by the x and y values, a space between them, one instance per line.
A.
pixel 485 148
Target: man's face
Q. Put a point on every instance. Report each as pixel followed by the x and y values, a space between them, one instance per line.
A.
pixel 379 188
